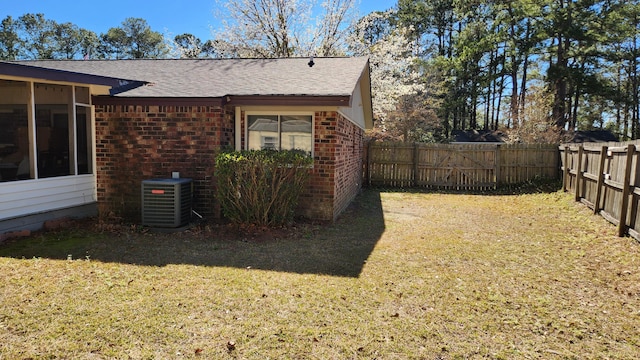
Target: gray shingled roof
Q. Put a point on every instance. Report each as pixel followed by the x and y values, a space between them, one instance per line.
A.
pixel 221 77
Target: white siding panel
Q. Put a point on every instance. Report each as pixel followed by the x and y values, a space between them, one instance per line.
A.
pixel 18 198
pixel 355 113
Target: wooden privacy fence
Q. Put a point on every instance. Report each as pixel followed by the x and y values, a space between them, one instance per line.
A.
pixel 606 179
pixel 458 166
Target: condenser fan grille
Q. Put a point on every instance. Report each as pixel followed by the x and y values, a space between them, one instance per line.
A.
pixel 166 202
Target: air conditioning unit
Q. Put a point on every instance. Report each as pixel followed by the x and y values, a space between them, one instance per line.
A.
pixel 166 203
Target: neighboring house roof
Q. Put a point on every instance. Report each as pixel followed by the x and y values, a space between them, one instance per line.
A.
pixel 490 136
pixel 479 136
pixel 217 78
pixel 583 136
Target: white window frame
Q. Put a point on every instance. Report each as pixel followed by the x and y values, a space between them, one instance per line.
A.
pixel 73 144
pixel 280 113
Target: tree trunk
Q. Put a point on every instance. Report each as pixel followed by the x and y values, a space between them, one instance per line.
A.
pixel 574 112
pixel 525 68
pixel 560 67
pixel 500 104
pixel 618 105
pixel 560 85
pixel 636 95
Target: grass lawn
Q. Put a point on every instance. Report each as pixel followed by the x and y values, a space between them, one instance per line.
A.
pixel 400 275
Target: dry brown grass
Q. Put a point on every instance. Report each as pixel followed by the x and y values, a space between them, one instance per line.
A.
pixel 401 275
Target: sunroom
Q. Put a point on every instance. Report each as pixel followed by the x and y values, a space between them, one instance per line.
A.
pixel 47 162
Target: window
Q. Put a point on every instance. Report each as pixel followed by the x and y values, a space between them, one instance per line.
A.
pixel 52 129
pixel 14 136
pixel 280 132
pixel 61 127
pixel 83 139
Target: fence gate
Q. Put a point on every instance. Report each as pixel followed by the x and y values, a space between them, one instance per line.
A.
pixel 441 166
pixel 459 168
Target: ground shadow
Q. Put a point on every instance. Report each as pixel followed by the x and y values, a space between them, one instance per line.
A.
pixel 528 187
pixel 338 249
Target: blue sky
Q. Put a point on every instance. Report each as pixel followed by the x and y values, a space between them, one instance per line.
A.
pixel 171 17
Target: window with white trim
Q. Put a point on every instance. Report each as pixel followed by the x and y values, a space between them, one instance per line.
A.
pixel 47 130
pixel 280 132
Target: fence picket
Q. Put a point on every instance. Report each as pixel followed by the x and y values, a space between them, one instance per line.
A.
pixel 610 182
pixel 458 166
pixel 600 179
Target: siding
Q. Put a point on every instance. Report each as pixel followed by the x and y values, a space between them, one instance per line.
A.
pixel 19 198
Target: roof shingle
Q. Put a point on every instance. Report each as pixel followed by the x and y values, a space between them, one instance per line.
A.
pixel 217 78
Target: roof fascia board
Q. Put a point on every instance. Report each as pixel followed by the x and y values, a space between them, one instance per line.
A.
pixel 287 108
pixel 162 101
pixel 287 100
pixel 95 89
pixel 270 101
pixel 39 73
pixel 365 88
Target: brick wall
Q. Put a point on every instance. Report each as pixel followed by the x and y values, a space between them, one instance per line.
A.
pixel 336 177
pixel 349 153
pixel 317 200
pixel 134 143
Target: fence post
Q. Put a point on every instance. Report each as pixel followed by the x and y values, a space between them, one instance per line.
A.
pixel 416 161
pixel 565 168
pixel 622 225
pixel 579 173
pixel 369 161
pixel 497 171
pixel 557 162
pixel 600 184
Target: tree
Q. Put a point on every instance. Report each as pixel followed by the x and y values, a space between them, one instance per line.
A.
pixel 68 39
pixel 37 36
pixel 113 44
pixel 72 42
pixel 432 21
pixel 584 50
pixel 89 43
pixel 623 29
pixel 536 125
pixel 283 28
pixel 263 28
pixel 415 119
pixel 333 27
pixel 189 46
pixel 33 36
pixel 134 39
pixel 433 24
pixel 404 89
pixel 391 62
pixel 10 43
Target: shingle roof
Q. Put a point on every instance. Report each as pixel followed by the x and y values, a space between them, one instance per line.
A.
pixel 583 136
pixel 479 136
pixel 221 77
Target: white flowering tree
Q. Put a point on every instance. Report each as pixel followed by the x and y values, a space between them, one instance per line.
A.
pixel 283 28
pixel 395 73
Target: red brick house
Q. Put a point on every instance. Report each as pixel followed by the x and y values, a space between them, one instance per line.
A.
pixel 82 135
